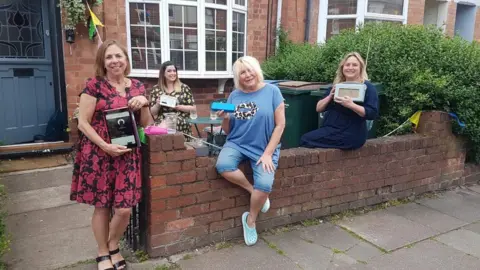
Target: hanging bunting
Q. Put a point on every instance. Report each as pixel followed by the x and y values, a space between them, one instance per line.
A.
pixel 93 22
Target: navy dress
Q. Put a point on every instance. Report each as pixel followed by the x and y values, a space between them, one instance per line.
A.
pixel 343 128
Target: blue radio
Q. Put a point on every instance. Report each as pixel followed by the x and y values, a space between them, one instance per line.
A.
pixel 226 107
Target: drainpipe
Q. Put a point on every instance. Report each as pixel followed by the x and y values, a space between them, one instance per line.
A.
pixel 279 21
pixel 307 20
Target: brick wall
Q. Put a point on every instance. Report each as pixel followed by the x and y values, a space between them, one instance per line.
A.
pixel 476 34
pixel 451 16
pixel 416 10
pixel 190 205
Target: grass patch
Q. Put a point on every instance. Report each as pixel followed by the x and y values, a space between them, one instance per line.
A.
pixel 187 257
pixel 310 222
pixel 274 247
pixel 409 245
pixel 362 262
pixel 84 262
pixel 353 234
pixel 167 267
pixel 223 245
pixel 307 240
pixel 337 251
pixel 141 255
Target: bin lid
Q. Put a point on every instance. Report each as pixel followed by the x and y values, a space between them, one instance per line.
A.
pixel 318 93
pixel 299 87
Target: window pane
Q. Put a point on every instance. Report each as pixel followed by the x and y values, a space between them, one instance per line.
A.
pixel 335 25
pixel 235 56
pixel 221 41
pixel 153 37
pixel 175 15
pixel 241 42
pixel 221 61
pixel 177 58
pixel 191 17
pixel 240 2
pixel 138 58
pixel 241 22
pixel 210 40
pixel 137 36
pixel 184 37
pixel 218 2
pixel 176 38
pixel 152 15
pixel 342 7
pixel 391 7
pixel 221 19
pixel 209 18
pixel 154 59
pixel 210 61
pixel 234 42
pixel 190 39
pixel 380 21
pixel 191 61
pixel 137 13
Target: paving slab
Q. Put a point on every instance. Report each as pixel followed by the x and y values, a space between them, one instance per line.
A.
pixel 461 205
pixel 38 179
pixel 463 240
pixel 329 236
pixel 306 254
pixel 475 188
pixel 426 255
pixel 474 227
pixel 240 257
pixel 427 216
pixel 364 252
pixel 38 199
pixel 342 261
pixel 48 221
pixel 387 230
pixel 52 251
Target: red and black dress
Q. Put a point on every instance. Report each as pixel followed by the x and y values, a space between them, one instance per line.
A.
pixel 98 178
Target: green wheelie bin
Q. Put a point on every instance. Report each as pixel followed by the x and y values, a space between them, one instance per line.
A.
pixel 300 113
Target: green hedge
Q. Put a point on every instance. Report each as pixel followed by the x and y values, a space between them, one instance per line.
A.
pixel 4 236
pixel 420 69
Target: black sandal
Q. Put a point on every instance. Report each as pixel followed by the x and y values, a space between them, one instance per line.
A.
pixel 100 259
pixel 120 263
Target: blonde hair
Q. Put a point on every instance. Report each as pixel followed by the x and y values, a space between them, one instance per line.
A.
pixel 246 62
pixel 162 83
pixel 100 70
pixel 340 77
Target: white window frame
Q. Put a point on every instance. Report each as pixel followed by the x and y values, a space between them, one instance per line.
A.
pixel 202 73
pixel 359 17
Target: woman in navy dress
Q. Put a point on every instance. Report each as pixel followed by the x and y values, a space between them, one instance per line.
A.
pixel 345 126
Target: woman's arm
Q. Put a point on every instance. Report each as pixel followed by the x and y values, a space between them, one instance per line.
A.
pixel 225 122
pixel 323 103
pixel 278 130
pixel 154 106
pixel 146 118
pixel 187 104
pixel 86 109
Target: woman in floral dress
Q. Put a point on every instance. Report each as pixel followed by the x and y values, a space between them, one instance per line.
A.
pixel 169 84
pixel 107 175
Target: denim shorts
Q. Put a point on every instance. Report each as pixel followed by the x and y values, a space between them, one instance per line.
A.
pixel 229 159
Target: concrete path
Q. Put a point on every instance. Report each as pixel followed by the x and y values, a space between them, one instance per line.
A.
pixel 47 229
pixel 441 232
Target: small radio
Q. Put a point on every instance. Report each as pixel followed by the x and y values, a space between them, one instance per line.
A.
pixel 168 101
pixel 356 91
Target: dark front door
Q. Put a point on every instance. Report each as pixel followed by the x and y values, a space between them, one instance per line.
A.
pixel 27 98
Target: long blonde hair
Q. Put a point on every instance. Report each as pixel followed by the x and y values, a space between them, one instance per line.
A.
pixel 162 83
pixel 340 77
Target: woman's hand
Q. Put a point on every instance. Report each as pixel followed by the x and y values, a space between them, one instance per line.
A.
pixel 332 93
pixel 222 114
pixel 137 102
pixel 267 163
pixel 346 102
pixel 116 150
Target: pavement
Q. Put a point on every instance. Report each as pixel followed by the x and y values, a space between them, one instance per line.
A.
pixel 432 232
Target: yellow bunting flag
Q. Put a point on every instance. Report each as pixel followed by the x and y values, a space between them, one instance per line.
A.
pixel 95 20
pixel 415 118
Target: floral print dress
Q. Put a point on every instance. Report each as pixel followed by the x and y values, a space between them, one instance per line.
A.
pixel 98 178
pixel 184 97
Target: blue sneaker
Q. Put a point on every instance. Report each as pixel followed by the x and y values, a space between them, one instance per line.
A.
pixel 249 234
pixel 266 206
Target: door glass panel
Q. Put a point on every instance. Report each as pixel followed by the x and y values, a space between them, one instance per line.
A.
pixel 21 29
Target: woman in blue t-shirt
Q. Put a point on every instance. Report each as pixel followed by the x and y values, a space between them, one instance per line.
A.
pixel 345 124
pixel 254 133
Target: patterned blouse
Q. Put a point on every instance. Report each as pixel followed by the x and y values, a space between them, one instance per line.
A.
pixel 184 97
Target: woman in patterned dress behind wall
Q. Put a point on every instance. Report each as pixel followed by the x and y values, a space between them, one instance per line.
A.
pixel 169 84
